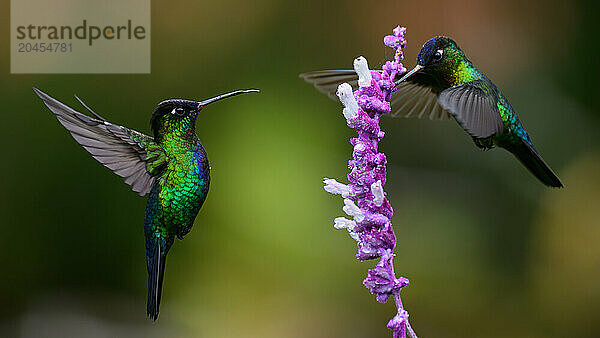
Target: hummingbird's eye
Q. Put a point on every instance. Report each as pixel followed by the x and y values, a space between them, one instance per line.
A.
pixel 178 111
pixel 438 55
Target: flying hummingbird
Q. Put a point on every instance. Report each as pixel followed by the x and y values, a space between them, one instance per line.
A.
pixel 171 165
pixel 445 84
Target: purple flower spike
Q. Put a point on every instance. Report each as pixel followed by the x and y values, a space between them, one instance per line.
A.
pixel 365 201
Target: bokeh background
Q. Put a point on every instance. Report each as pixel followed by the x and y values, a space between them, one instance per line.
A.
pixel 490 252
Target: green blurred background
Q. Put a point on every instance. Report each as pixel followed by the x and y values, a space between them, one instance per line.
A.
pixel 489 251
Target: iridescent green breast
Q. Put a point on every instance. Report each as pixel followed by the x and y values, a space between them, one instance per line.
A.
pixel 183 189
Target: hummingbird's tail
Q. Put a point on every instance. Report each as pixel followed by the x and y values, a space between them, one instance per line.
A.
pixel 156 257
pixel 530 158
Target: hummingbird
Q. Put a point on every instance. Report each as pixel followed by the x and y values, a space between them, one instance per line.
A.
pixel 171 166
pixel 445 84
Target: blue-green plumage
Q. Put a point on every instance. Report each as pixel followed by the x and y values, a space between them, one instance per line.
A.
pixel 171 166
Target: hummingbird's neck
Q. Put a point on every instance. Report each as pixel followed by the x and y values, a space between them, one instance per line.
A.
pixel 178 133
pixel 461 71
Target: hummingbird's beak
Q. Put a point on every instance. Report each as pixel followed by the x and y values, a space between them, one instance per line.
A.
pixel 224 96
pixel 412 71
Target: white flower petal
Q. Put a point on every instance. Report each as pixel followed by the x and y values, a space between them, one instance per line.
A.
pixel 378 194
pixel 353 210
pixel 362 70
pixel 334 187
pixel 359 147
pixel 344 92
pixel 344 223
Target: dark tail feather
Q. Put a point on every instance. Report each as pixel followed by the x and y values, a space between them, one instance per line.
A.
pixel 156 269
pixel 530 158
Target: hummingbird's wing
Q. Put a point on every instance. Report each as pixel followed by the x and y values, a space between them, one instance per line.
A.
pixel 128 153
pixel 327 81
pixel 415 100
pixel 410 99
pixel 473 108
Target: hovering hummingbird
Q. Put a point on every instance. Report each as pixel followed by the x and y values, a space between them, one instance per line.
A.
pixel 171 165
pixel 445 84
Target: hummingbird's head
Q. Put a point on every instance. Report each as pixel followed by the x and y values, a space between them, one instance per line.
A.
pixel 178 114
pixel 438 56
pixel 436 51
pixel 173 114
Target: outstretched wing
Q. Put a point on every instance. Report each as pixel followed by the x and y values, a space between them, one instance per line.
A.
pixel 410 99
pixel 415 100
pixel 473 108
pixel 327 81
pixel 128 153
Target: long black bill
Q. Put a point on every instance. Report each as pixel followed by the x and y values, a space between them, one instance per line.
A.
pixel 412 71
pixel 224 96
